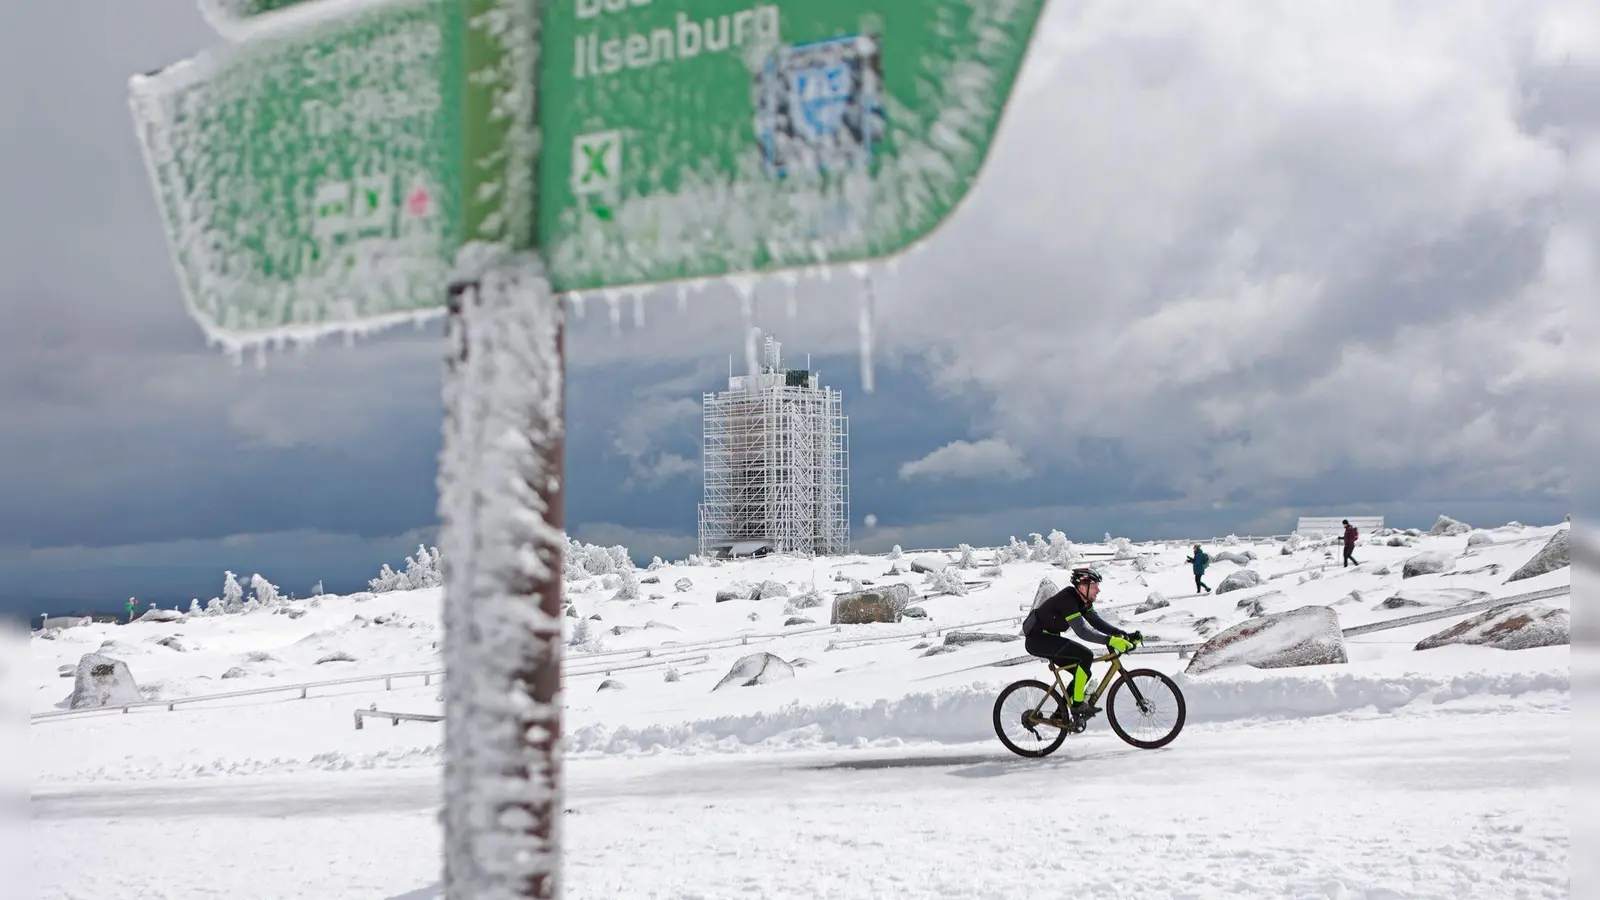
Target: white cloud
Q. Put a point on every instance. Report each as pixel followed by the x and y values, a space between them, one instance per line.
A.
pixel 988 458
pixel 641 431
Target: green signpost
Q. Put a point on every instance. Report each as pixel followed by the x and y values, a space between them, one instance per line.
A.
pixel 352 163
pixel 713 137
pixel 310 178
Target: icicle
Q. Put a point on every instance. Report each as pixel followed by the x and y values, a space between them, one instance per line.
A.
pixel 614 308
pixel 683 297
pixel 865 323
pixel 577 303
pixel 746 287
pixel 638 310
pixel 261 357
pixel 790 279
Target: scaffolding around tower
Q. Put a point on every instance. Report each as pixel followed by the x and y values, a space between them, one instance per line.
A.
pixel 776 457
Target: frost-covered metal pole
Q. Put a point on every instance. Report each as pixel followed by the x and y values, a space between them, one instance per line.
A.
pixel 500 490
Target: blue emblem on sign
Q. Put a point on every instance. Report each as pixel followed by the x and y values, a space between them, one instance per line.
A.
pixel 820 106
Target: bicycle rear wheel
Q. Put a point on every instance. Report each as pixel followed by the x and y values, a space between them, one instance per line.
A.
pixel 1019 714
pixel 1151 698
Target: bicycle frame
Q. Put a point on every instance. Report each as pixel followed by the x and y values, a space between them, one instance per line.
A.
pixel 1116 671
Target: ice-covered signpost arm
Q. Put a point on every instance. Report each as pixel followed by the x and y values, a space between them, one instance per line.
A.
pixel 500 490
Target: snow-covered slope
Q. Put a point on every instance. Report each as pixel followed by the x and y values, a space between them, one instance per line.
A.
pixel 669 647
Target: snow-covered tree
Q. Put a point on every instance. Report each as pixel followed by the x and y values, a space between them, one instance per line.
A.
pixel 263 593
pixel 387 580
pixel 895 552
pixel 422 570
pixel 947 581
pixel 966 561
pixel 316 589
pixel 627 585
pixel 194 607
pixel 232 593
pixel 1062 552
pixel 1038 551
pixel 657 563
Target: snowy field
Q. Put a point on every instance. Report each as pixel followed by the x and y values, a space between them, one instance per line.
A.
pixel 872 772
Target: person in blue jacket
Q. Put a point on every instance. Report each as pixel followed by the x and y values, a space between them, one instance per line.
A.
pixel 1200 561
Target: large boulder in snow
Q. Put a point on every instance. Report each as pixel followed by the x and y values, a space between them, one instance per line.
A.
pixel 769 589
pixel 1044 591
pixel 1516 626
pixel 962 638
pixel 57 623
pixel 1238 581
pixel 927 565
pixel 1480 539
pixel 1447 525
pixel 1439 597
pixel 865 606
pixel 1428 562
pixel 757 668
pixel 1243 558
pixel 1556 554
pixel 1257 605
pixel 1153 602
pixel 154 614
pixel 682 585
pixel 103 681
pixel 1308 636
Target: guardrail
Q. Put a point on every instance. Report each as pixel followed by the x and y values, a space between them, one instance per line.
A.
pixel 304 690
pixel 1433 615
pixel 395 718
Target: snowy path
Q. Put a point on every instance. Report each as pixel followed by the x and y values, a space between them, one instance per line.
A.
pixel 1448 803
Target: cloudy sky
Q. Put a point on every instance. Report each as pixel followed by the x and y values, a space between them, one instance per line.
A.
pixel 1227 264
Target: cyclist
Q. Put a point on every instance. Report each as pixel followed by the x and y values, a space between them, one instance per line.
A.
pixel 1044 633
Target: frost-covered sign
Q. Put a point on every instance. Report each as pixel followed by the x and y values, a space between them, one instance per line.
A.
pixel 709 137
pixel 310 176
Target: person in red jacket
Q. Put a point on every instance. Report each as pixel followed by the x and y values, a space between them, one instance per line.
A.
pixel 1350 535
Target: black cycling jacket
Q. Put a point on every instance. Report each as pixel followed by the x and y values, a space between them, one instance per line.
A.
pixel 1065 609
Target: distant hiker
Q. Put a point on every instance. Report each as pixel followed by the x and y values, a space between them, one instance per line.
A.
pixel 1350 535
pixel 1200 561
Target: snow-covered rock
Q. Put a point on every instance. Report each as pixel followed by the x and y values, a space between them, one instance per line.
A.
pixel 1555 554
pixel 915 612
pixel 1517 626
pixel 1308 636
pixel 808 600
pixel 962 638
pixel 1428 562
pixel 769 589
pixel 173 643
pixel 927 565
pixel 57 623
pixel 156 614
pixel 610 684
pixel 682 585
pixel 864 606
pixel 1438 597
pixel 1043 592
pixel 798 620
pixel 1480 539
pixel 757 668
pixel 103 681
pixel 1153 602
pixel 1257 605
pixel 725 596
pixel 336 656
pixel 1238 581
pixel 1447 525
pixel 235 672
pixel 1239 558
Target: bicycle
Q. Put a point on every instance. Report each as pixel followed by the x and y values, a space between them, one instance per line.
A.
pixel 1031 717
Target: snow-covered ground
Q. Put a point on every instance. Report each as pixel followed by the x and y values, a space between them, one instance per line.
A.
pixel 872 772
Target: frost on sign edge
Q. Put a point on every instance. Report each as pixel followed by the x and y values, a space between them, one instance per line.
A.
pixel 746 221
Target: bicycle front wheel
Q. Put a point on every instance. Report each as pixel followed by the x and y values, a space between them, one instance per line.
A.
pixel 1152 710
pixel 1019 719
